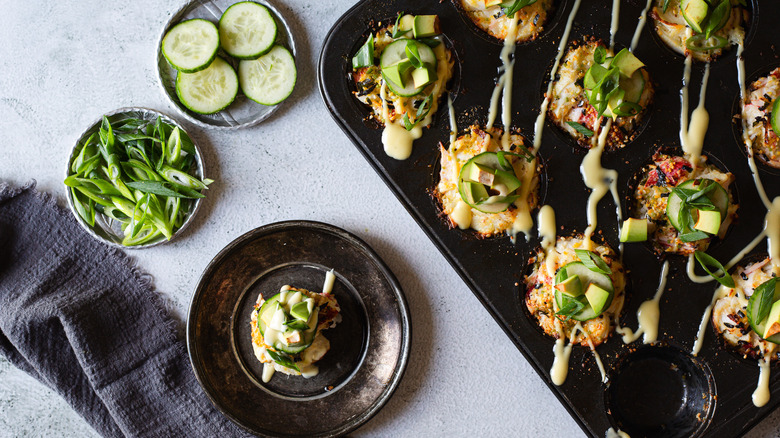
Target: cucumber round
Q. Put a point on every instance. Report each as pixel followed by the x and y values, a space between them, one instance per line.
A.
pixel 306 335
pixel 247 30
pixel 775 116
pixel 633 86
pixel 752 311
pixel 586 277
pixel 395 52
pixel 191 45
pixel 269 79
pixel 492 204
pixel 208 91
pixel 719 197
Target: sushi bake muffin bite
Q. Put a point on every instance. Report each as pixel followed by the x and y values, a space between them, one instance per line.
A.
pixel 702 29
pixel 593 85
pixel 739 317
pixel 483 182
pixel 287 330
pixel 570 286
pixel 761 116
pixel 400 73
pixel 684 206
pixel 493 16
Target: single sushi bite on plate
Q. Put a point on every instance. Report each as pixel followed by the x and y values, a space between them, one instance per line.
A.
pixel 747 316
pixel 594 85
pixel 287 330
pixel 571 287
pixel 702 29
pixel 761 118
pixel 484 183
pixel 494 16
pixel 684 207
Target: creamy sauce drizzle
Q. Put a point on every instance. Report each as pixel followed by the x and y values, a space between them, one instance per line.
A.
pixel 612 433
pixel 720 292
pixel 761 394
pixel 504 84
pixel 640 25
pixel 453 125
pixel 613 28
pixel 462 215
pixel 734 260
pixel 692 135
pixel 648 314
pixel 330 278
pixel 600 181
pixel 397 141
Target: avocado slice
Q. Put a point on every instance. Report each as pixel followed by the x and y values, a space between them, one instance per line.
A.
pixel 627 63
pixel 572 286
pixel 598 298
pixel 694 12
pixel 423 76
pixel 709 221
pixel 300 311
pixel 426 26
pixel 475 192
pixel 508 179
pixel 481 174
pixel 398 72
pixel 772 321
pixel 633 230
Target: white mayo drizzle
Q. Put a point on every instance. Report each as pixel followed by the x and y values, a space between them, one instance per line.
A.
pixel 546 221
pixel 268 372
pixel 504 84
pixel 772 230
pixel 546 102
pixel 562 351
pixel 612 433
pixel 327 287
pixel 647 315
pixel 453 125
pixel 462 215
pixel 692 135
pixel 596 356
pixel 761 394
pixel 613 28
pixel 396 139
pixel 640 25
pixel 720 292
pixel 734 260
pixel 599 180
pixel 745 135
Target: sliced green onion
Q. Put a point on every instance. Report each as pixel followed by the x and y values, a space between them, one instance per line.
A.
pixel 365 55
pixel 707 261
pixel 719 43
pixel 593 261
pixel 581 129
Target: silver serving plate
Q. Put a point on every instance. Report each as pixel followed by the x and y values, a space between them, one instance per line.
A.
pixel 107 229
pixel 243 111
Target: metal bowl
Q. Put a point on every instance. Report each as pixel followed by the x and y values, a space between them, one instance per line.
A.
pixel 243 111
pixel 107 229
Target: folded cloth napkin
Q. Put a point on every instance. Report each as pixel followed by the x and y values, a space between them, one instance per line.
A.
pixel 81 318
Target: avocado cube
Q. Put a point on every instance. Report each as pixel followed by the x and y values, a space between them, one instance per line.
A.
pixel 694 12
pixel 597 297
pixel 773 321
pixel 627 63
pixel 508 179
pixel 709 221
pixel 406 23
pixel 475 192
pixel 426 26
pixel 423 76
pixel 572 286
pixel 633 230
pixel 300 311
pixel 397 72
pixel 481 174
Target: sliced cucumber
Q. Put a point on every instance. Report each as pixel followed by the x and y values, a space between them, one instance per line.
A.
pixel 208 91
pixel 633 87
pixel 395 52
pixel 754 311
pixel 586 277
pixel 775 116
pixel 476 195
pixel 247 30
pixel 191 45
pixel 270 78
pixel 719 197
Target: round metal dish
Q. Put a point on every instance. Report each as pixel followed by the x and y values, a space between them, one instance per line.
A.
pixel 107 229
pixel 369 348
pixel 243 111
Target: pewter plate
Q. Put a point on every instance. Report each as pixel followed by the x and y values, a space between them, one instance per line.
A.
pixel 109 230
pixel 243 112
pixel 369 348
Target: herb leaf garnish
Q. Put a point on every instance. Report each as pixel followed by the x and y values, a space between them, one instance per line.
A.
pixel 593 261
pixel 283 359
pixel 581 129
pixel 707 261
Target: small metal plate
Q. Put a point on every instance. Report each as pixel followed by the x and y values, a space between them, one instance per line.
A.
pixel 107 229
pixel 243 112
pixel 369 348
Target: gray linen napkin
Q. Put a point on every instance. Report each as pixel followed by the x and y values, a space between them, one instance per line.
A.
pixel 80 317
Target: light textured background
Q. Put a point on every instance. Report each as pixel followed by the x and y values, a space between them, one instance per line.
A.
pixel 65 63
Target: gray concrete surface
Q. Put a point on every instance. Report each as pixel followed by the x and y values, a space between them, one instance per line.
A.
pixel 65 63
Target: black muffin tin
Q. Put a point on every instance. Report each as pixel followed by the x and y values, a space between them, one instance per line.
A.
pixel 709 395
